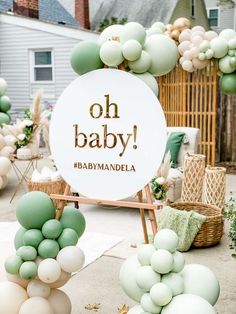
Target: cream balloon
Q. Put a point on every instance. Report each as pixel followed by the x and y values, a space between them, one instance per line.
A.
pixel 37 288
pixel 187 65
pixel 61 281
pixel 5 165
pixel 4 181
pixel 110 32
pixel 2 141
pixel 12 296
pixel 36 305
pixel 198 64
pixel 195 52
pixel 188 304
pixel 71 259
pixel 10 140
pixel 198 28
pixel 49 270
pixel 18 280
pixel 188 55
pixel 6 151
pixel 196 40
pixel 200 280
pixel 185 35
pixel 60 302
pixel 184 46
pixel 210 35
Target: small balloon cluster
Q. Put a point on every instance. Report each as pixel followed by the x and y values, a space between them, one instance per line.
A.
pixel 158 279
pixel 5 103
pixel 155 51
pixel 46 255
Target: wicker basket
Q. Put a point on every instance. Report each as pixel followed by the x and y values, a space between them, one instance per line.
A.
pixel 50 187
pixel 212 229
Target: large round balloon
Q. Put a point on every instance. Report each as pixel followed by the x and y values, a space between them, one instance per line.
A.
pixel 59 302
pixel 3 86
pixel 5 165
pixel 34 209
pixel 12 296
pixel 36 305
pixel 4 118
pixel 150 80
pixel 228 84
pixel 228 34
pixel 85 57
pixel 145 253
pixel 201 281
pixel 110 32
pixel 188 304
pixel 133 30
pixel 5 103
pixel 74 219
pixel 157 47
pixel 128 278
pixel 111 53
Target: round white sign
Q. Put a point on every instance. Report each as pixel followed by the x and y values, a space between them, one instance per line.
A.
pixel 107 134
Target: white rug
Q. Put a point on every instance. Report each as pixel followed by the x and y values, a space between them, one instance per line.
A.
pixel 93 244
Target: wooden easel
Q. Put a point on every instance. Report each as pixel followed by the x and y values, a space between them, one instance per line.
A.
pixel 139 205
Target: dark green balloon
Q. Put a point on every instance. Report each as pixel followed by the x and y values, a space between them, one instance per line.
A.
pixel 48 248
pixel 34 209
pixel 52 229
pixel 33 237
pixel 18 241
pixel 85 57
pixel 4 118
pixel 13 264
pixel 68 237
pixel 27 253
pixel 28 270
pixel 74 219
pixel 228 83
pixel 5 103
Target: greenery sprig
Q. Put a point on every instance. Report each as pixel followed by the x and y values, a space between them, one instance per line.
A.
pixel 230 215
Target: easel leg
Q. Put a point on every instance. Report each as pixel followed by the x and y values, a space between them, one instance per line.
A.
pixel 61 204
pixel 142 215
pixel 151 213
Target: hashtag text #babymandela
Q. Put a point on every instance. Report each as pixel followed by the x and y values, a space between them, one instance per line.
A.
pixel 104 167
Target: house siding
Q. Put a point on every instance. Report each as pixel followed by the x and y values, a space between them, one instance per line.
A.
pixel 15 43
pixel 200 12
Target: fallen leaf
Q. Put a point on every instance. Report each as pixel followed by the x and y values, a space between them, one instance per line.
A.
pixel 93 307
pixel 123 309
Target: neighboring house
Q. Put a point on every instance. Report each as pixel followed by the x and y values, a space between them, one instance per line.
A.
pixel 221 14
pixel 145 12
pixel 36 54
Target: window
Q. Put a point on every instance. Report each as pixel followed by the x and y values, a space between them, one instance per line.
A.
pixel 193 7
pixel 213 17
pixel 41 65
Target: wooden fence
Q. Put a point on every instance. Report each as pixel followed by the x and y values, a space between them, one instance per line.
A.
pixel 190 99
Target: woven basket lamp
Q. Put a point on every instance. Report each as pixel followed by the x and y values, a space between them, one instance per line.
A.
pixel 214 188
pixel 193 177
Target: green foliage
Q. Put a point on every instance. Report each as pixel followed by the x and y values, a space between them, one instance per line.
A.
pixel 230 215
pixel 114 20
pixel 27 131
pixel 159 190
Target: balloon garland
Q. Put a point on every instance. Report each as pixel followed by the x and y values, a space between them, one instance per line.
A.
pixel 46 255
pixel 158 279
pixel 156 51
pixel 5 103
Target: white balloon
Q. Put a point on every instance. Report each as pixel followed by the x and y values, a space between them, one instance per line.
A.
pixel 183 46
pixel 109 33
pixel 61 281
pixel 10 140
pixel 166 239
pixel 187 65
pixel 188 304
pixel 185 35
pixel 60 302
pixel 188 55
pixel 228 34
pixel 198 28
pixel 12 296
pixel 71 259
pixel 200 280
pixel 36 305
pixel 196 40
pixel 37 288
pixel 195 51
pixel 159 25
pixel 5 166
pixel 6 151
pixel 144 254
pixel 49 270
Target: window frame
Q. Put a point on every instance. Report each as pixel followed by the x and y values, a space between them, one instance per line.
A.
pixel 208 16
pixel 33 65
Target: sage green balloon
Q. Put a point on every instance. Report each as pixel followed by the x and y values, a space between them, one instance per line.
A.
pixel 131 50
pixel 27 253
pixel 74 219
pixel 18 240
pixel 85 57
pixel 228 84
pixel 150 80
pixel 3 86
pixel 48 248
pixel 142 64
pixel 34 209
pixel 111 53
pixel 28 270
pixel 13 264
pixel 159 25
pixel 52 229
pixel 231 52
pixel 110 32
pixel 233 61
pixel 67 238
pixel 5 103
pixel 133 30
pixel 4 118
pixel 220 47
pixel 33 237
pixel 163 52
pixel 225 65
